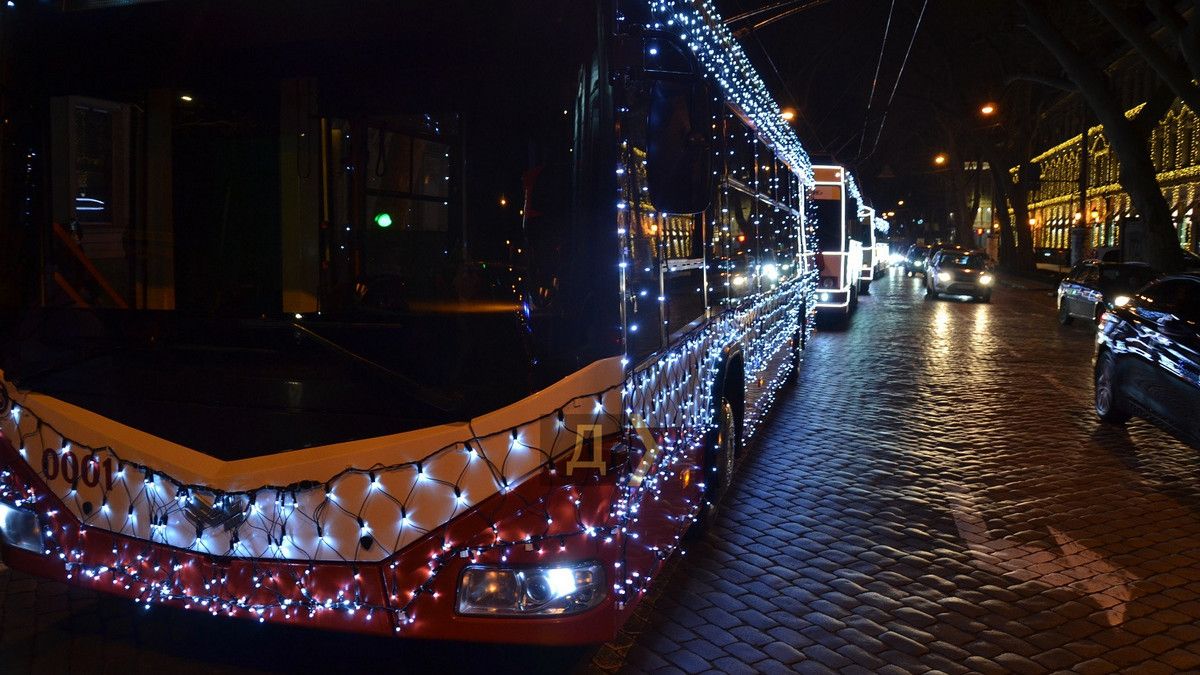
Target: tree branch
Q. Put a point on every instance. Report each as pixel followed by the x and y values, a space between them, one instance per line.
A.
pixel 1151 114
pixel 1166 67
pixel 1168 17
pixel 1186 34
pixel 1048 80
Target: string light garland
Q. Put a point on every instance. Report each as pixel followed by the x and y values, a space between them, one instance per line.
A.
pixel 700 26
pixel 283 531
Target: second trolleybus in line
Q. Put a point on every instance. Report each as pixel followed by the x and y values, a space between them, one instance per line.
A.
pixel 848 256
pixel 444 321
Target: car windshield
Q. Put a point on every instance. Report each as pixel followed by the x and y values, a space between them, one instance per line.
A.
pixel 964 259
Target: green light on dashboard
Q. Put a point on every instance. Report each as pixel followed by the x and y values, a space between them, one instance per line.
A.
pixel 383 219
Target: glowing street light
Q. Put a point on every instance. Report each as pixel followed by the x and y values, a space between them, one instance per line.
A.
pixel 940 159
pixel 988 108
pixel 900 203
pixel 788 115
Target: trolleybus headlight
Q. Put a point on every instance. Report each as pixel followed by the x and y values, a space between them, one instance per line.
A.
pixel 19 527
pixel 986 279
pixel 944 277
pixel 530 591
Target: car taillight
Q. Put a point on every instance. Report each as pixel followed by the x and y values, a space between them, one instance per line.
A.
pixel 1103 319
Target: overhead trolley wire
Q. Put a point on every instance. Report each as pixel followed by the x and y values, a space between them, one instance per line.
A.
pixel 900 74
pixel 887 28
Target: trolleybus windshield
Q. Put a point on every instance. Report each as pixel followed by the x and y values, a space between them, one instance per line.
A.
pixel 259 211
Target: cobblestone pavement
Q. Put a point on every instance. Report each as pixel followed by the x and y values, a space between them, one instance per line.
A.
pixel 938 495
pixel 935 495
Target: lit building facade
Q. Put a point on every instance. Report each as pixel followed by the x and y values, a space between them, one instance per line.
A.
pixel 1054 206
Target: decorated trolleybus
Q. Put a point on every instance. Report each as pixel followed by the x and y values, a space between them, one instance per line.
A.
pixel 876 254
pixel 424 319
pixel 839 238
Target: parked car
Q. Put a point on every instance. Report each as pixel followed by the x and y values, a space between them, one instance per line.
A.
pixel 1191 261
pixel 1148 357
pixel 914 259
pixel 956 271
pixel 1092 285
pixel 1057 260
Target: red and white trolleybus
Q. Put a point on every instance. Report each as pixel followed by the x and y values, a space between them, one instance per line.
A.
pixel 444 320
pixel 841 251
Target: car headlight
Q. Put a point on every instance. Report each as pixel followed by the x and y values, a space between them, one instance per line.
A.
pixel 19 528
pixel 1121 300
pixel 986 279
pixel 919 263
pixel 944 277
pixel 532 591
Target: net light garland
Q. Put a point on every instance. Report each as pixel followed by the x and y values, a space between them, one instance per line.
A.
pixel 699 25
pixel 277 534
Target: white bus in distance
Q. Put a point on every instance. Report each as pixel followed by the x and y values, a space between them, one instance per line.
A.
pixel 841 256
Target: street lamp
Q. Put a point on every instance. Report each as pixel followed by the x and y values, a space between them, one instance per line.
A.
pixel 988 109
pixel 939 159
pixel 900 203
pixel 788 115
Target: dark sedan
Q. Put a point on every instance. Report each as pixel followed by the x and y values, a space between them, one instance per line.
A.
pixel 1093 285
pixel 1148 357
pixel 914 259
pixel 958 272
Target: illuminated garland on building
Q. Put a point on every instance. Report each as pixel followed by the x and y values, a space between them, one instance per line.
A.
pixel 1174 148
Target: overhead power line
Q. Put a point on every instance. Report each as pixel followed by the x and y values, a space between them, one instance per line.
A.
pixel 900 74
pixel 730 20
pixel 887 28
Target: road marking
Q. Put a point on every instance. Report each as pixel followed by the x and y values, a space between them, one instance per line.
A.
pixel 1067 564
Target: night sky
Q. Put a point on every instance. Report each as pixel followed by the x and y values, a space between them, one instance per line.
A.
pixel 822 62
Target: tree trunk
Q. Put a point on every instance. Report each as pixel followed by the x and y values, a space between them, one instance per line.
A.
pixel 1007 253
pixel 1018 196
pixel 1138 175
pixel 1016 239
pixel 1169 71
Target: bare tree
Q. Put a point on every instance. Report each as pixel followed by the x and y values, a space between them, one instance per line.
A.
pixel 1127 137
